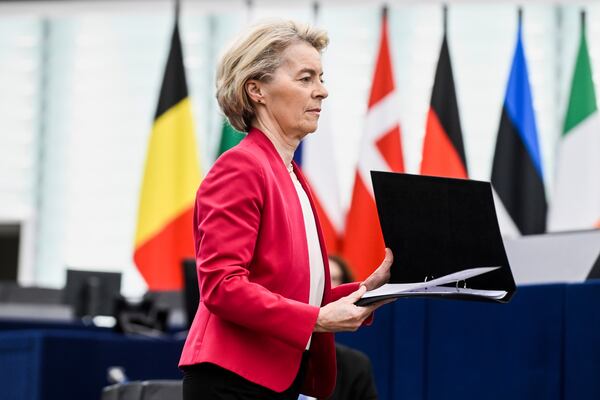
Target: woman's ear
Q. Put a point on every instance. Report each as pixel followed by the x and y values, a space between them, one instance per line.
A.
pixel 253 90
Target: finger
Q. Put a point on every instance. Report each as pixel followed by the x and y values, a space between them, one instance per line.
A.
pixel 388 259
pixel 356 295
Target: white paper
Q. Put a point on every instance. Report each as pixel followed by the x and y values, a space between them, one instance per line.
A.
pixel 434 284
pixel 447 291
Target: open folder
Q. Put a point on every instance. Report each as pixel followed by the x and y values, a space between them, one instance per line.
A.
pixel 445 238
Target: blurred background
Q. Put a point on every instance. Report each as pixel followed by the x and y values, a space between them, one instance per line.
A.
pixel 80 82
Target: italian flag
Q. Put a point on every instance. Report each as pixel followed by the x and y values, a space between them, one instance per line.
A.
pixel 576 199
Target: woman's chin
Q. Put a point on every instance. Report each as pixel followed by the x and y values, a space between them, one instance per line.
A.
pixel 311 128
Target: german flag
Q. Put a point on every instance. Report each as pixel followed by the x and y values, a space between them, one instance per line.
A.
pixel 443 148
pixel 164 234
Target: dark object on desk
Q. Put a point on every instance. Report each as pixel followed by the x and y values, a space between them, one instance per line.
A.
pixel 146 390
pixel 173 301
pixel 12 292
pixel 146 317
pixel 92 293
pixel 123 391
pixel 10 237
pixel 191 290
pixel 354 375
pixel 27 303
pixel 439 226
pixel 169 299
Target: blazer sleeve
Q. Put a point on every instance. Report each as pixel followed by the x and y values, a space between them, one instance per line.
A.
pixel 227 221
pixel 343 290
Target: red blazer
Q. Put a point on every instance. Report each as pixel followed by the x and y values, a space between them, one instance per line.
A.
pixel 252 259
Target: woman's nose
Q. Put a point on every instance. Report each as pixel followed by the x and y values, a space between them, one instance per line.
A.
pixel 321 91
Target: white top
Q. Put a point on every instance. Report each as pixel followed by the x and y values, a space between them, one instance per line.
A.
pixel 315 258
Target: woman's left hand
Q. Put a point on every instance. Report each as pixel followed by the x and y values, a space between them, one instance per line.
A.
pixel 382 274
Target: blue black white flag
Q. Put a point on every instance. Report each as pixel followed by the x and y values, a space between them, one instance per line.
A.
pixel 517 174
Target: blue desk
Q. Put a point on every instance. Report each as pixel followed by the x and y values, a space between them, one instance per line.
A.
pixel 63 365
pixel 581 349
pixel 544 344
pixel 13 324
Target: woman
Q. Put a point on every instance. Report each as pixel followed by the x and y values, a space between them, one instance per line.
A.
pixel 264 325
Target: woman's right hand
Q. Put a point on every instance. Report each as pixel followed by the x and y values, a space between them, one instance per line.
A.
pixel 343 315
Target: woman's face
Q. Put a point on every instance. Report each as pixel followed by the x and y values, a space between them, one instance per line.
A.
pixel 292 99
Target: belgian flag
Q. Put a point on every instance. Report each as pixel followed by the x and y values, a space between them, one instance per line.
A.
pixel 517 169
pixel 443 148
pixel 164 234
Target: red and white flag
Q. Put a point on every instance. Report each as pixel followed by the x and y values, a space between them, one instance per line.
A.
pixel 381 150
pixel 317 165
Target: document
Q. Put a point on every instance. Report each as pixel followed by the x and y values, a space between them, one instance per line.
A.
pixel 434 288
pixel 445 238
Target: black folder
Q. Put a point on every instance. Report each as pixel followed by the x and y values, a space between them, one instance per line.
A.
pixel 437 227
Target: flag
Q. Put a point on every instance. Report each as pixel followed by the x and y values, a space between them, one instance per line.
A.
pixel 171 176
pixel 576 200
pixel 381 150
pixel 517 168
pixel 316 160
pixel 229 137
pixel 443 149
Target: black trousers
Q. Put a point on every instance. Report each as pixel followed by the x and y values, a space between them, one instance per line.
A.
pixel 211 382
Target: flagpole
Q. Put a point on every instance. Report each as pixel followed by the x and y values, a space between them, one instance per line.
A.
pixel 316 10
pixel 250 8
pixel 445 11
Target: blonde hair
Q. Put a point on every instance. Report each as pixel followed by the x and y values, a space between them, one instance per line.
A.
pixel 256 55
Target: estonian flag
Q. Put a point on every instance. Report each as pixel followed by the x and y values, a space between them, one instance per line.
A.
pixel 517 170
